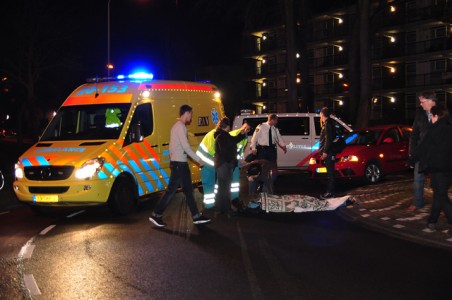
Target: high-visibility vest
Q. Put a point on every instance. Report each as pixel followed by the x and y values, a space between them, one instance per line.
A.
pixel 206 149
pixel 240 145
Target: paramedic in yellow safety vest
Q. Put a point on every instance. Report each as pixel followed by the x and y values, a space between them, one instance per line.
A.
pixel 112 119
pixel 206 151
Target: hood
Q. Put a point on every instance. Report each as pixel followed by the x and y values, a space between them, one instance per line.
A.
pixel 351 150
pixel 60 153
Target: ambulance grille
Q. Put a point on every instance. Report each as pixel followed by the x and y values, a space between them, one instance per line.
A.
pixel 48 189
pixel 48 172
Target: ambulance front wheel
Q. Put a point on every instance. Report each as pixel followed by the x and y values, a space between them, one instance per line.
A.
pixel 123 196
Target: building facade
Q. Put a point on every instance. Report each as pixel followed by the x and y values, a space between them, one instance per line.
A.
pixel 411 51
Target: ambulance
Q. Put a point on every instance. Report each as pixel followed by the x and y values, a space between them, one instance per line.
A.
pixel 300 131
pixel 109 143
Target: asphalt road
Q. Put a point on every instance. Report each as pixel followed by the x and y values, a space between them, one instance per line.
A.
pixel 265 256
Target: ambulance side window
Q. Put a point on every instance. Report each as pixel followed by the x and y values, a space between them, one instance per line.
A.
pixel 142 124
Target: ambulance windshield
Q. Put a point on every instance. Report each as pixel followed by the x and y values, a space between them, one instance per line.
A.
pixel 87 122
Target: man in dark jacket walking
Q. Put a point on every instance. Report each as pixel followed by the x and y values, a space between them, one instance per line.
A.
pixel 421 123
pixel 225 161
pixel 435 158
pixel 327 136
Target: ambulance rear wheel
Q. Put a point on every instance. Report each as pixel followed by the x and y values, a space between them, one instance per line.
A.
pixel 123 197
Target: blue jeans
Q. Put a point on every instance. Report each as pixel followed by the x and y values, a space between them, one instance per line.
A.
pixel 180 175
pixel 418 187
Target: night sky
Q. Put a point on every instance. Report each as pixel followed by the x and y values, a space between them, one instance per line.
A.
pixel 174 39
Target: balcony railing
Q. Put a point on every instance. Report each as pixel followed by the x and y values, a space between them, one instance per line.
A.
pixel 328 61
pixel 401 49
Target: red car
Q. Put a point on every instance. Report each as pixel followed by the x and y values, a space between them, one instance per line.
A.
pixel 369 154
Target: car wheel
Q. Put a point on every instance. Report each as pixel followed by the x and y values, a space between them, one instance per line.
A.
pixel 123 198
pixel 372 173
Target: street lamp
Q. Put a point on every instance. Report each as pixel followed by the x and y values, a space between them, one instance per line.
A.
pixel 109 65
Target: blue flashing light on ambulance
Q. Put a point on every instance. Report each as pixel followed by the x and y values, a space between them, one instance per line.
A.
pixel 109 143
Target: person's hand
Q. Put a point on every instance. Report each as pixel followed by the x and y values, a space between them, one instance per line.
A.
pixel 323 156
pixel 201 163
pixel 284 149
pixel 254 151
pixel 411 161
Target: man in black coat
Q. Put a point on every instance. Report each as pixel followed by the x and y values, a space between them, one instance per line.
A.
pixel 225 161
pixel 435 158
pixel 421 123
pixel 326 151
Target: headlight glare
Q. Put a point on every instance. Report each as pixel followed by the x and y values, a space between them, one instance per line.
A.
pixel 18 171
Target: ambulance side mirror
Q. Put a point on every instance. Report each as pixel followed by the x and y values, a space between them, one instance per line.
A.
pixel 135 134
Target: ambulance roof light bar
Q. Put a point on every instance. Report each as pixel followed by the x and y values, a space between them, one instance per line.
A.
pixel 139 76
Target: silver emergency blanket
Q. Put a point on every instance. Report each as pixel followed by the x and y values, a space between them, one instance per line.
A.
pixel 301 203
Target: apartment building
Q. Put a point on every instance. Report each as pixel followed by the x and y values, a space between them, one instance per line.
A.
pixel 411 51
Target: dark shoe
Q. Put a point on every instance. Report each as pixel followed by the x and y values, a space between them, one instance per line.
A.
pixel 201 220
pixel 412 208
pixel 431 227
pixel 449 232
pixel 157 221
pixel 326 196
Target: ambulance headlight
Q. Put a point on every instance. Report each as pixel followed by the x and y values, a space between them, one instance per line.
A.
pixel 90 168
pixel 18 171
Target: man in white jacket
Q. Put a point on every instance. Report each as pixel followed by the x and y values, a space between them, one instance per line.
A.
pixel 179 147
pixel 265 139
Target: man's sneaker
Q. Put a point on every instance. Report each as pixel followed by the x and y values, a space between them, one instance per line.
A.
pixel 326 196
pixel 449 232
pixel 157 221
pixel 431 227
pixel 201 220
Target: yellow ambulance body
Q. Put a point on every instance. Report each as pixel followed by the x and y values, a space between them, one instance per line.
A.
pixel 109 142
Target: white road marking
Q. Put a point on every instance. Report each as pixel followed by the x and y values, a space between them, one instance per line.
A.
pixel 27 250
pixel 4 212
pixel 76 213
pixel 44 232
pixel 30 284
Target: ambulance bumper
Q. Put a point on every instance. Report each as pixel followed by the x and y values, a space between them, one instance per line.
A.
pixel 81 192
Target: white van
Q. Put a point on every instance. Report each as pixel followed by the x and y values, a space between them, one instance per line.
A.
pixel 300 131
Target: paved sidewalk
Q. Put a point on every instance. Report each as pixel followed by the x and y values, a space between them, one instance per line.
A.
pixel 382 207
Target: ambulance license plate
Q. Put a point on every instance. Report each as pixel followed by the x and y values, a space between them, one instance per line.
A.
pixel 321 170
pixel 45 198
